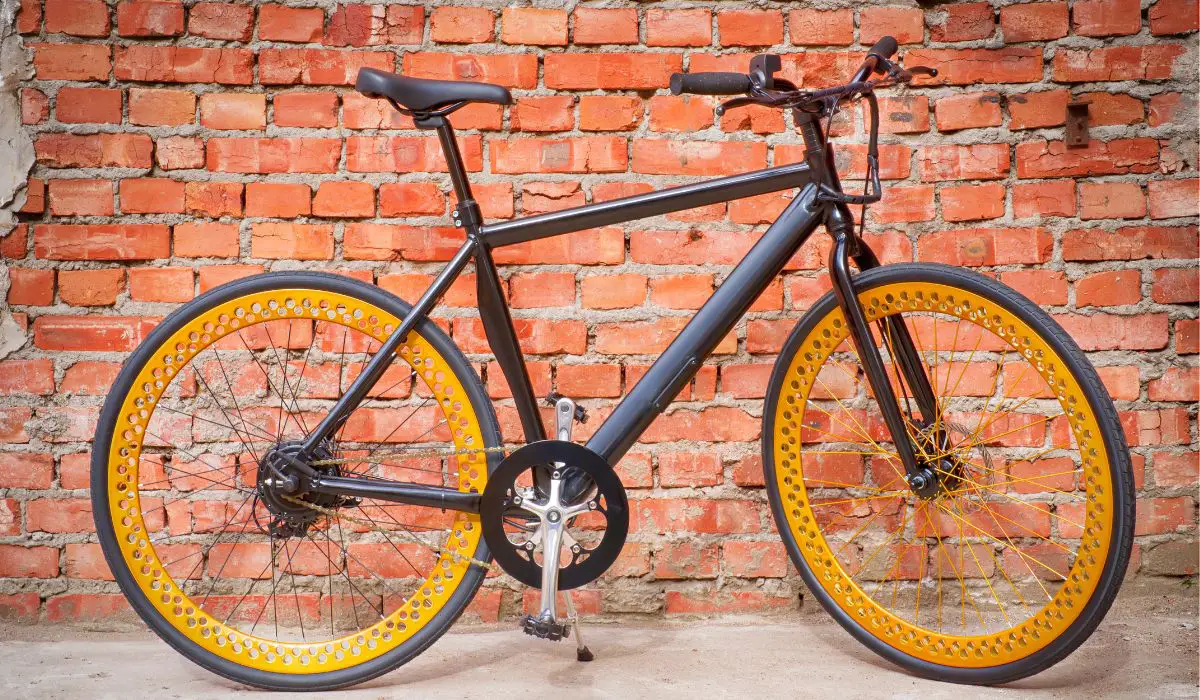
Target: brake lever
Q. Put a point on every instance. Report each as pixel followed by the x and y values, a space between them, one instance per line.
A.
pixel 735 103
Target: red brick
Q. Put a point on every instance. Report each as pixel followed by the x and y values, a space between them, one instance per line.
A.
pixel 609 112
pixel 149 18
pixel 1132 243
pixel 59 515
pixel 811 27
pixel 77 17
pixel 277 199
pixel 1106 17
pixel 1176 384
pixel 977 162
pixel 962 22
pixel 94 150
pixel 576 155
pixel 81 197
pixel 1109 109
pixel 971 66
pixel 1111 200
pixel 305 109
pixel 588 381
pixel 1157 516
pixel 90 287
pixel 88 105
pixel 1174 198
pixel 166 284
pixel 180 64
pixel 151 196
pixel 1176 470
pixel 296 24
pixel 88 607
pixel 685 560
pixel 214 199
pixel 283 241
pixel 1174 17
pixel 987 246
pixel 233 110
pixel 750 27
pixel 510 70
pixel 462 25
pixel 344 199
pixel 681 291
pixel 1187 336
pixel 179 153
pixel 678 27
pixel 903 115
pixel 906 24
pixel 1110 332
pixel 71 61
pixel 605 25
pixel 684 113
pixel 754 559
pixel 152 107
pixel 1038 21
pixel 973 202
pixel 1050 198
pixel 35 106
pixel 318 66
pixel 689 469
pixel 25 377
pixel 30 287
pixel 1113 288
pixel 727 601
pixel 1037 159
pixel 17 561
pixel 610 71
pixel 1034 110
pixel 968 111
pixel 101 242
pixel 613 291
pixel 905 204
pixel 533 25
pixel 661 157
pixel 543 113
pixel 406 198
pixel 203 240
pixel 1166 108
pixel 211 276
pixel 29 17
pixel 1154 62
pixel 1176 286
pixel 274 155
pixel 14 243
pixel 541 197
pixel 221 20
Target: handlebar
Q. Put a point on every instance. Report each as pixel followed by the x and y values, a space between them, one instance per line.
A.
pixel 710 83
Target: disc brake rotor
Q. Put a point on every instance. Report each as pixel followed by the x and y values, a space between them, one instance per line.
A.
pixel 592 541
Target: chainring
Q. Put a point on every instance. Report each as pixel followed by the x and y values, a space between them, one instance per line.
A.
pixel 513 534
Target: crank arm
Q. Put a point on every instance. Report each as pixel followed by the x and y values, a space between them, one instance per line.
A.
pixel 396 492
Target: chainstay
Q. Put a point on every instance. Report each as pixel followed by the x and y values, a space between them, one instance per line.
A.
pixel 373 527
pixel 333 513
pixel 408 454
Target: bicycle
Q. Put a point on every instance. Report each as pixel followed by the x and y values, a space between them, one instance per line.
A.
pixel 920 412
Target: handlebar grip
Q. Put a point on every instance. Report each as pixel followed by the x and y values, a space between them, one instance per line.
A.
pixel 710 83
pixel 884 48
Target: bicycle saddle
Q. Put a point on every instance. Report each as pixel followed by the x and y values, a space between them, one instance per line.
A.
pixel 422 95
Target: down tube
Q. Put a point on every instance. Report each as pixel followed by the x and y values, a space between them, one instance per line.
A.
pixel 682 359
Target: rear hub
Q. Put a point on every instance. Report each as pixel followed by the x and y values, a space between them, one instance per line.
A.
pixel 283 488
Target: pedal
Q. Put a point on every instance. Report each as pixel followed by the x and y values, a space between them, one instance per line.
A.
pixel 545 628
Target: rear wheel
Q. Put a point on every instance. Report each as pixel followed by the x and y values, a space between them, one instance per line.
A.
pixel 278 591
pixel 1012 561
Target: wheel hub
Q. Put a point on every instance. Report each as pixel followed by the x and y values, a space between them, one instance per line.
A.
pixel 280 485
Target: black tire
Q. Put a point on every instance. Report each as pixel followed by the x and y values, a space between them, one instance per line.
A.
pixel 328 680
pixel 1112 436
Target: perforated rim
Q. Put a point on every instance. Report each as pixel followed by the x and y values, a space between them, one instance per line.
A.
pixel 126 514
pixel 966 651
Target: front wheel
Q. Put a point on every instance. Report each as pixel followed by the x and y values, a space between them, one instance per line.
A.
pixel 264 587
pixel 1013 560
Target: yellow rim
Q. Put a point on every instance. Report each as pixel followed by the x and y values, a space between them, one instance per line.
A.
pixel 144 562
pixel 798 472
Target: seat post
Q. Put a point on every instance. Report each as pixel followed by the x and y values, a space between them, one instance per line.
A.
pixel 454 163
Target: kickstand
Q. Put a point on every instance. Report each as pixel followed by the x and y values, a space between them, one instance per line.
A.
pixel 582 653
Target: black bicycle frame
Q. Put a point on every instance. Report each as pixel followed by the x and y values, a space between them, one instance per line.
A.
pixel 678 364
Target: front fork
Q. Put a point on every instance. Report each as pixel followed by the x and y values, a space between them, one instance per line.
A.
pixel 846 247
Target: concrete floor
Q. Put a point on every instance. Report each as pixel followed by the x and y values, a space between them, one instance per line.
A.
pixel 1146 648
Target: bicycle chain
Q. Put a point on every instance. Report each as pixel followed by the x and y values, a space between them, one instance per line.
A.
pixel 374 527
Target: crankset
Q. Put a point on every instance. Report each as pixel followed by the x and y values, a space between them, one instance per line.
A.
pixel 525 527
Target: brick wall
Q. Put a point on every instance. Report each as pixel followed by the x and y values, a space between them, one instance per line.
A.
pixel 180 146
